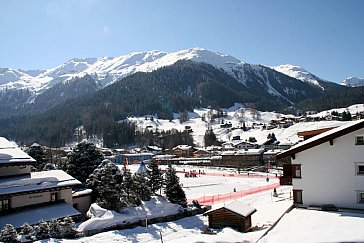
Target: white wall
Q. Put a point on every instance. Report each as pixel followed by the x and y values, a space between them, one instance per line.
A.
pixel 328 172
pixel 37 198
pixel 14 170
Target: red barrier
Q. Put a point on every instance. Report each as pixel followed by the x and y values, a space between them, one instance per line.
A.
pixel 209 200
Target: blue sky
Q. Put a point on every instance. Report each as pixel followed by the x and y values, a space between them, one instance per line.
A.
pixel 326 37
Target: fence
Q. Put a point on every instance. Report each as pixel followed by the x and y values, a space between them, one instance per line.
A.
pixel 209 200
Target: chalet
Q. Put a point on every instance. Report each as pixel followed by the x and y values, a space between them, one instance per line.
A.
pixel 201 153
pixel 328 168
pixel 30 197
pixel 242 158
pixel 235 215
pixel 238 144
pixel 183 151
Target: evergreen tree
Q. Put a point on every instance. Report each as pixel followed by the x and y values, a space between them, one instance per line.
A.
pixel 36 152
pixel 173 188
pixel 156 180
pixel 210 137
pixel 8 234
pixel 141 187
pixel 83 160
pixel 106 182
pixel 127 183
pixel 41 230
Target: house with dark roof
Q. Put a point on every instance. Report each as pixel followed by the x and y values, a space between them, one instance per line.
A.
pixel 328 168
pixel 236 215
pixel 27 197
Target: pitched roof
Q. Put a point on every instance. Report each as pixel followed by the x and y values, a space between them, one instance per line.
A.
pixel 236 207
pixel 322 138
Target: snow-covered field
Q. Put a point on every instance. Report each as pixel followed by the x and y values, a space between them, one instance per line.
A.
pixel 299 225
pixel 235 116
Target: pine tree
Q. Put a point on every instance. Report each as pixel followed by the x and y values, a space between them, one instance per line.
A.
pixel 127 183
pixel 141 188
pixel 8 234
pixel 106 182
pixel 210 137
pixel 41 230
pixel 83 160
pixel 173 188
pixel 156 180
pixel 36 152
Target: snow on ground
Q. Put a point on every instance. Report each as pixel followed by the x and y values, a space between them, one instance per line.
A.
pixel 303 225
pixel 299 225
pixel 236 115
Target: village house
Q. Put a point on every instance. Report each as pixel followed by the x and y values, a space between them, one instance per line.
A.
pixel 201 153
pixel 328 168
pixel 235 215
pixel 183 151
pixel 27 196
pixel 240 158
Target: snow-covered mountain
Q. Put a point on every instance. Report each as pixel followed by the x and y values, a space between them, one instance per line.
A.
pixel 299 73
pixel 353 82
pixel 110 69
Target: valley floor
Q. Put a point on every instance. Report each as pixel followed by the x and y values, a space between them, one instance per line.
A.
pixel 299 225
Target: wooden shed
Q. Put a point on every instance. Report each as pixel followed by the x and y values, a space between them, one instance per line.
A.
pixel 236 215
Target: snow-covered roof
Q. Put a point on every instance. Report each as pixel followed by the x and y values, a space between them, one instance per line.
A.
pixel 183 147
pixel 237 207
pixel 243 152
pixel 10 154
pixel 37 181
pixel 81 193
pixel 323 137
pixel 154 148
pixel 250 151
pixel 273 151
pixel 33 216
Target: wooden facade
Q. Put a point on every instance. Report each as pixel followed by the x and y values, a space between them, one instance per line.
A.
pixel 235 215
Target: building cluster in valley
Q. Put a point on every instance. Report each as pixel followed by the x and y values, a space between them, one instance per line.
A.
pixel 326 171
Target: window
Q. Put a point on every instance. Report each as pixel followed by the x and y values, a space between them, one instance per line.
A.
pixel 296 171
pixel 54 197
pixel 359 168
pixel 297 196
pixel 4 205
pixel 360 197
pixel 359 140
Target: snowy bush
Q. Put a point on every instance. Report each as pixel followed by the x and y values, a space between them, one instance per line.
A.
pixel 8 234
pixel 41 231
pixel 67 228
pixel 55 228
pixel 26 231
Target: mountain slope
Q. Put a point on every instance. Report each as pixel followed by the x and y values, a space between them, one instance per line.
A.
pixel 353 82
pixel 176 88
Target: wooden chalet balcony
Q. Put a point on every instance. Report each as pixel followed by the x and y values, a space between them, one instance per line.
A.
pixel 285 181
